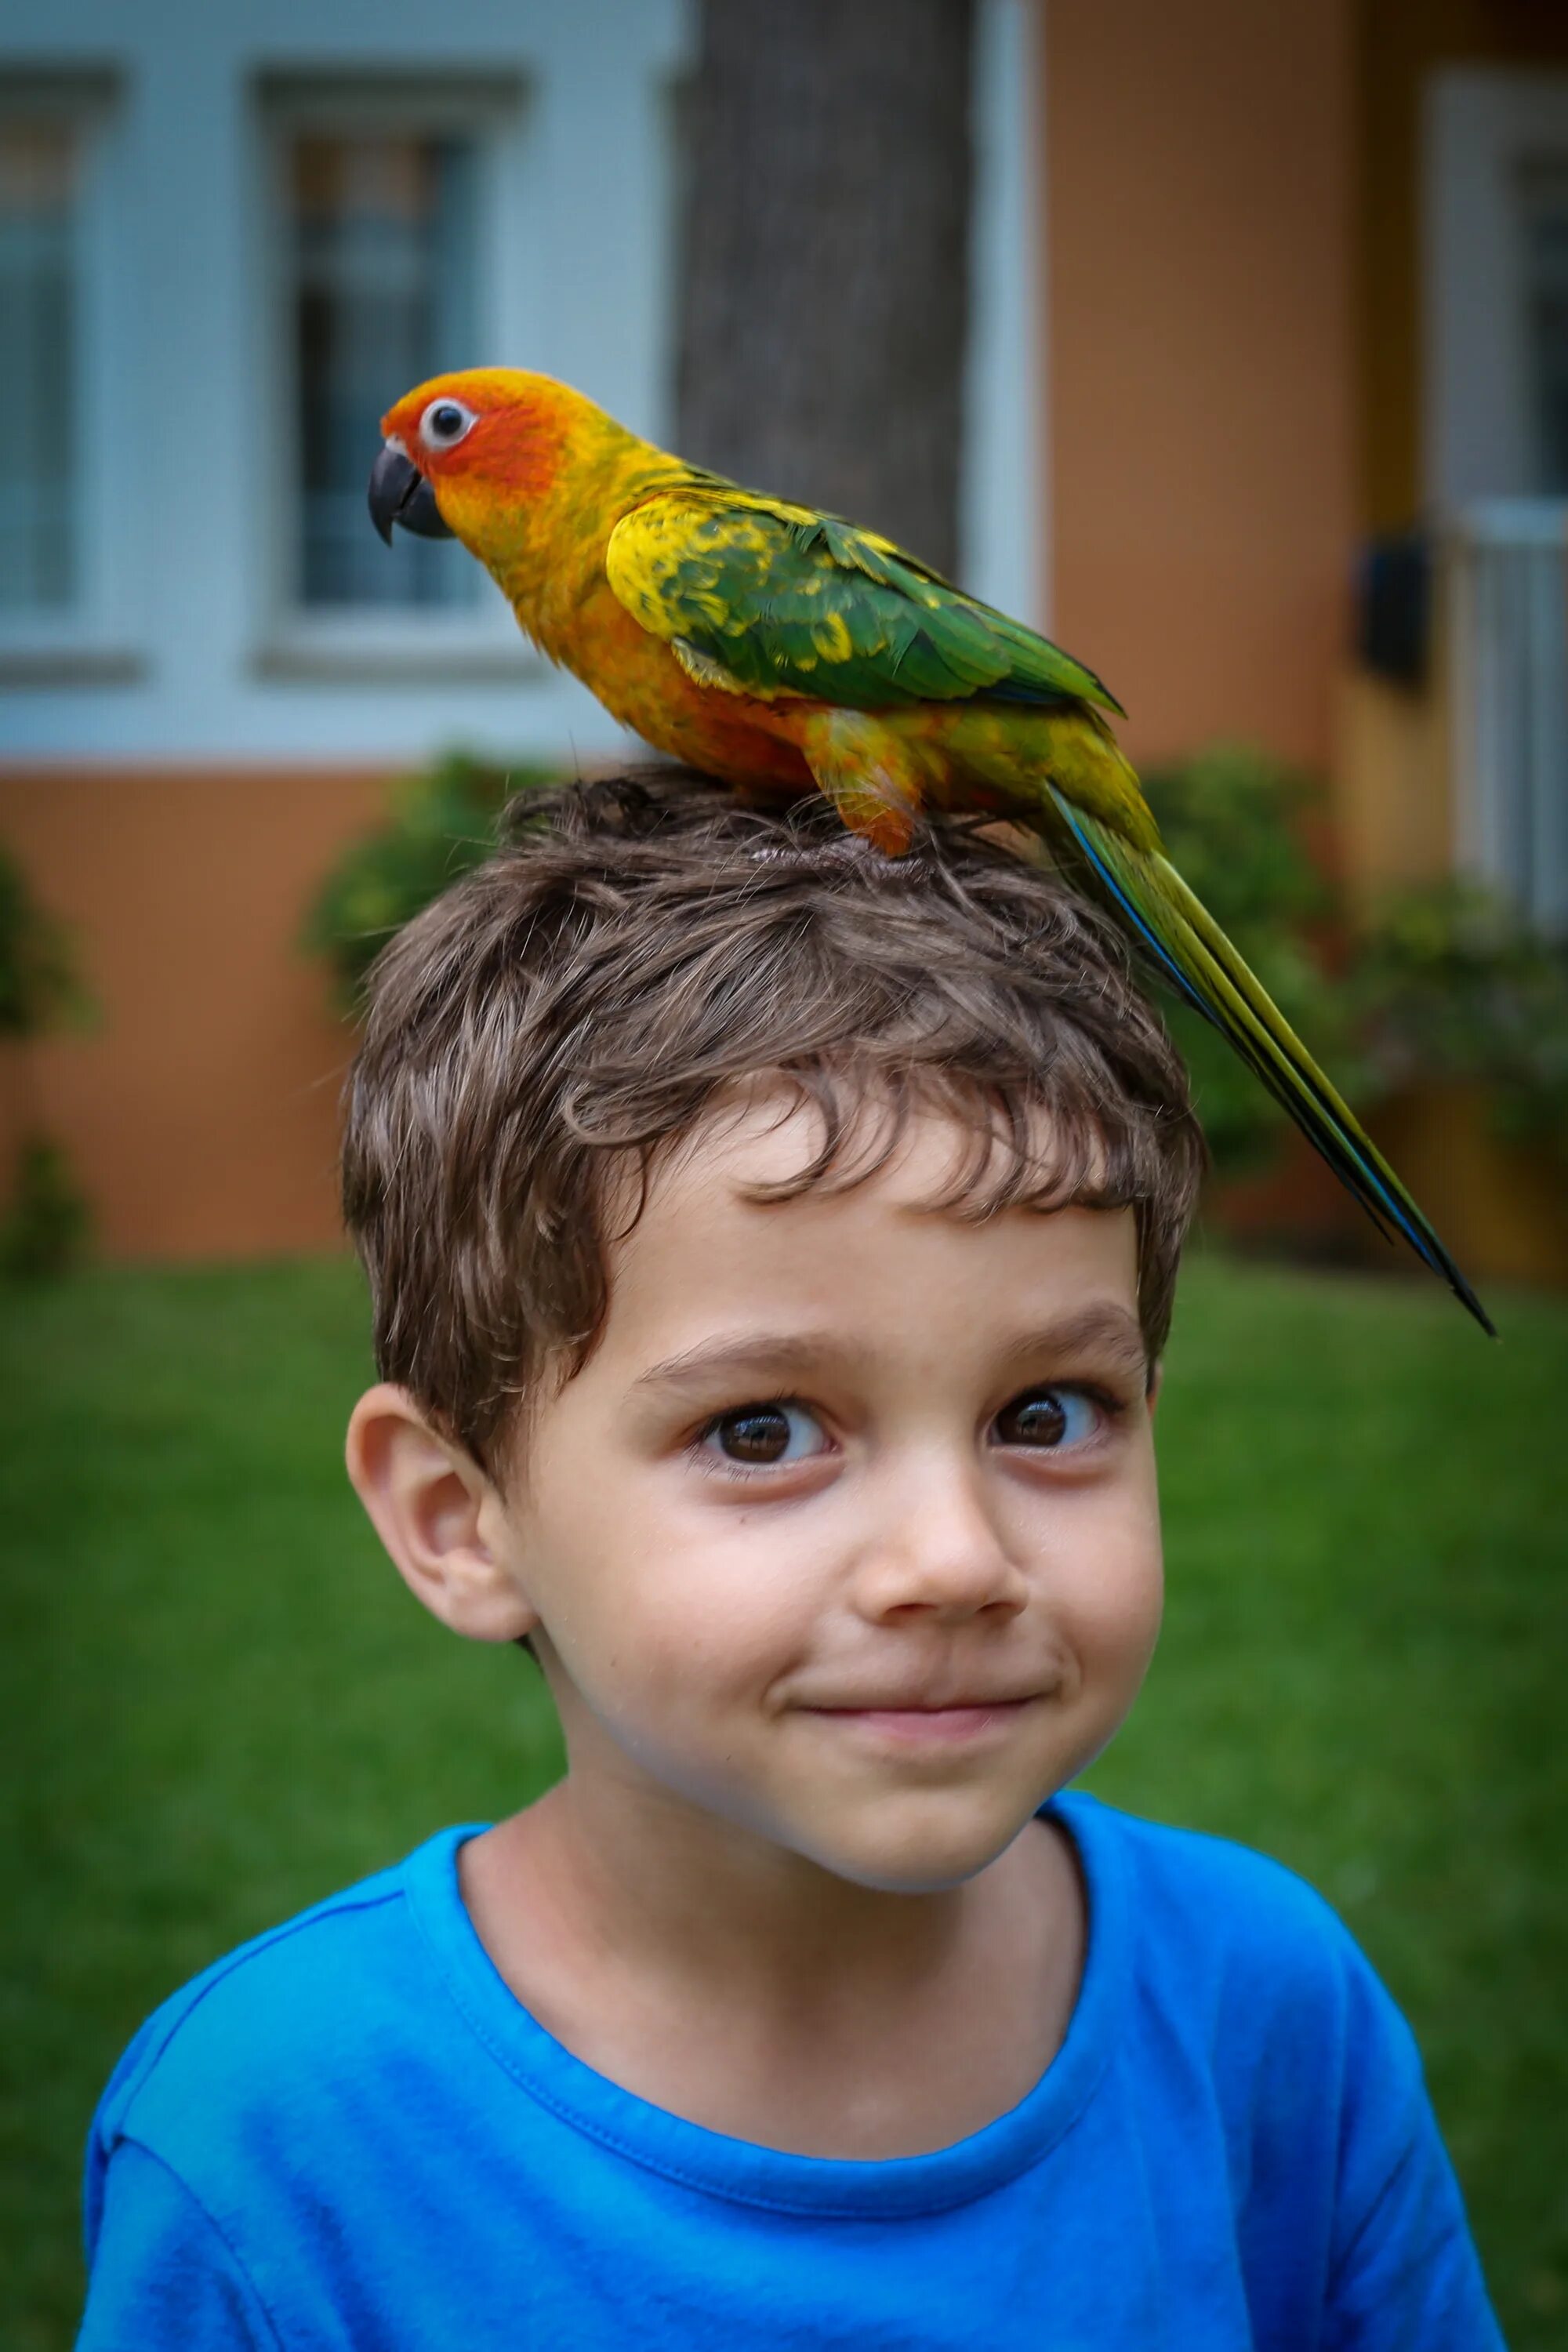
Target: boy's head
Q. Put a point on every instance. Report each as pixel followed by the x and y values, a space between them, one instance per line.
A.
pixel 772 1246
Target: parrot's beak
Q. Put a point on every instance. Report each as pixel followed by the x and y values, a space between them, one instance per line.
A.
pixel 400 493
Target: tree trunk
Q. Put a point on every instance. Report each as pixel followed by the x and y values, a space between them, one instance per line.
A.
pixel 824 295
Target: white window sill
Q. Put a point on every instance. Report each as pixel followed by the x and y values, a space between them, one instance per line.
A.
pixel 65 661
pixel 415 650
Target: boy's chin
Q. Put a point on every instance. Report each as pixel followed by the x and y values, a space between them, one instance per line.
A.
pixel 918 1849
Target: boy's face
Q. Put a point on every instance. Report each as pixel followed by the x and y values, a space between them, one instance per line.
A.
pixel 845 1536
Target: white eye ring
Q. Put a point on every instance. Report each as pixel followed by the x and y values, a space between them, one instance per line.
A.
pixel 444 423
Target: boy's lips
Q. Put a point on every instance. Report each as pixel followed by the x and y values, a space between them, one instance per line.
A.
pixel 918 1720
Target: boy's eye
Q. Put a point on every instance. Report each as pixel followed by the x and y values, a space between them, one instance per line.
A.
pixel 1048 1419
pixel 762 1435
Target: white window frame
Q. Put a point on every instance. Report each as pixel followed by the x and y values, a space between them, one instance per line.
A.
pixel 1502 543
pixel 1505 576
pixel 1003 521
pixel 427 643
pixel 87 640
pixel 1483 128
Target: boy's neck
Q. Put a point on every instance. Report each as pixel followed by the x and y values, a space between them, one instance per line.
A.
pixel 737 1983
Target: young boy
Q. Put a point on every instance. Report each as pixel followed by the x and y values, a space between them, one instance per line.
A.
pixel 771 1248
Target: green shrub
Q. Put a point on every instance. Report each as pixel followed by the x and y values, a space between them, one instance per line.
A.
pixel 1449 982
pixel 1442 983
pixel 1233 821
pixel 44 1231
pixel 443 824
pixel 46 1224
pixel 39 985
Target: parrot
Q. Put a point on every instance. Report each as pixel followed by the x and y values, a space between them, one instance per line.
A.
pixel 780 649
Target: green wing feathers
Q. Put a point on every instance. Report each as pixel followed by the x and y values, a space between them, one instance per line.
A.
pixel 787 600
pixel 1194 955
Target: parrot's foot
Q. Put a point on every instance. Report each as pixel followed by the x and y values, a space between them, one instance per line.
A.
pixel 867 774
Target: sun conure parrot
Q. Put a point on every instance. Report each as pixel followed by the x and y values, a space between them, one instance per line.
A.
pixel 777 649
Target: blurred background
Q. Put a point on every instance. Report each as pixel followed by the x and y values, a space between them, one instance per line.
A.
pixel 1229 344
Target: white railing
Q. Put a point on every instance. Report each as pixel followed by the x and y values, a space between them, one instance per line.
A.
pixel 1505 572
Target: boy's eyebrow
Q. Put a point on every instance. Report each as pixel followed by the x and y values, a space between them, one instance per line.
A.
pixel 1107 1328
pixel 1106 1331
pixel 750 1351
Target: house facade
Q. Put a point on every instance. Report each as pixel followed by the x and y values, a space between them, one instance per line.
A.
pixel 1235 275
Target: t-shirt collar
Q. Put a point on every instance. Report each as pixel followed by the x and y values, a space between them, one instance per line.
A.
pixel 740 2171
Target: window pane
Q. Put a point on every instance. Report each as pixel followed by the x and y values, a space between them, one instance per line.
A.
pixel 37 328
pixel 384 237
pixel 1546 279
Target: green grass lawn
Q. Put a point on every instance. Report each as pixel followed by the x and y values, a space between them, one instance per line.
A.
pixel 220 1703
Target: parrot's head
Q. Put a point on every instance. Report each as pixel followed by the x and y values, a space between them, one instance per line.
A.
pixel 469 455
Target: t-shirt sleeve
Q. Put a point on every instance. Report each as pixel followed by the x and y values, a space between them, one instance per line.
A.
pixel 1406 2274
pixel 160 2270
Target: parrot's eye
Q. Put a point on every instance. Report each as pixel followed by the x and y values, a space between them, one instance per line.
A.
pixel 444 424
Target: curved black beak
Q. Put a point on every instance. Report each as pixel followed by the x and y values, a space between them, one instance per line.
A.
pixel 400 493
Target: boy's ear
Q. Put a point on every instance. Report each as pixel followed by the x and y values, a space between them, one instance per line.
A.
pixel 430 1504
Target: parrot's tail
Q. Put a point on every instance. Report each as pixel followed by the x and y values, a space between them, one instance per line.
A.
pixel 1194 955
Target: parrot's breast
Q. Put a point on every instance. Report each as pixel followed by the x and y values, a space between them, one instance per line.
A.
pixel 642 684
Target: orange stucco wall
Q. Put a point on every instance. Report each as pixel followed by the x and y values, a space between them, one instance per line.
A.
pixel 1199 296
pixel 200 1112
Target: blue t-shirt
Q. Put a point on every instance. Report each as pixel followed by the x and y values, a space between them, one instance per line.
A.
pixel 351 2133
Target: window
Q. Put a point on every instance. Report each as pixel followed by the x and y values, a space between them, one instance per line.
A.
pixel 383 252
pixel 1495 286
pixel 63 453
pixel 1545 228
pixel 40 550
pixel 397 213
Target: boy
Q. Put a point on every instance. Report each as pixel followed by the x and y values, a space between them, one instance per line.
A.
pixel 771 1248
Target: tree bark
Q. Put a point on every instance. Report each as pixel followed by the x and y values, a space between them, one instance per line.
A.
pixel 824 295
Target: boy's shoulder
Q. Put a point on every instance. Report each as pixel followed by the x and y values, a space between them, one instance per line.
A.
pixel 1196 1884
pixel 1201 1899
pixel 325 1987
pixel 1234 1952
pixel 1208 1883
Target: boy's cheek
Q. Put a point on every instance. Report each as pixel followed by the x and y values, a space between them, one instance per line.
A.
pixel 1107 1589
pixel 1118 1641
pixel 667 1642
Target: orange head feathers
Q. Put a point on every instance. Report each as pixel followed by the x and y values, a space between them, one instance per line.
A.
pixel 503 425
pixel 488 442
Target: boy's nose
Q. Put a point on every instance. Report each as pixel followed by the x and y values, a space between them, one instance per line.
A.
pixel 939 1551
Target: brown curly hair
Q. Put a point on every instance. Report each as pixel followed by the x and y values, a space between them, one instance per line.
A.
pixel 639 944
